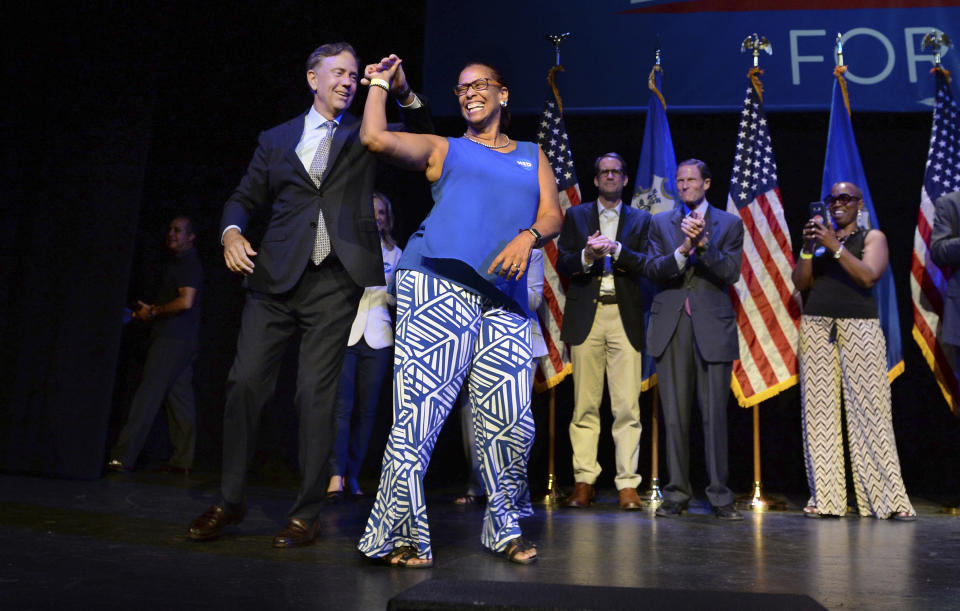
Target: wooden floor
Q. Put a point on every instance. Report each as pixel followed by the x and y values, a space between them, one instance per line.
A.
pixel 119 543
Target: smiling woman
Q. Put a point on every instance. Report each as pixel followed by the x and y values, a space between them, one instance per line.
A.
pixel 841 342
pixel 462 279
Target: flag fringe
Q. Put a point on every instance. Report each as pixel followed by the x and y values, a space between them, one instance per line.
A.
pixel 553 380
pixel 928 356
pixel 895 371
pixel 649 383
pixel 763 395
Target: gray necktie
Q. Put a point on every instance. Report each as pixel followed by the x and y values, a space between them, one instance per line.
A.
pixel 321 246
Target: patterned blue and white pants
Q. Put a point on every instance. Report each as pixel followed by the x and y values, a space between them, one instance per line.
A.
pixel 443 332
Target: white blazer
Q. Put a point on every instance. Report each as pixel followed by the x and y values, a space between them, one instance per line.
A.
pixel 373 322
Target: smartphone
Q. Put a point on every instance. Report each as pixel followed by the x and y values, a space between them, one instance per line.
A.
pixel 819 213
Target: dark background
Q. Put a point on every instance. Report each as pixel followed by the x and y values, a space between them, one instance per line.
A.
pixel 118 118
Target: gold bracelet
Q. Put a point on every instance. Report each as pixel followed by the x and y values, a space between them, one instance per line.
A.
pixel 382 84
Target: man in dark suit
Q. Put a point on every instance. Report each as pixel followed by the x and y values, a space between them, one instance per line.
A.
pixel 945 252
pixel 602 251
pixel 695 257
pixel 313 179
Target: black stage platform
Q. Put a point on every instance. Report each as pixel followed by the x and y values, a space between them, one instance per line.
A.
pixel 118 543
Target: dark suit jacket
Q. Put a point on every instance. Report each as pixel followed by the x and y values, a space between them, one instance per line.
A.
pixel 580 223
pixel 705 283
pixel 276 182
pixel 945 252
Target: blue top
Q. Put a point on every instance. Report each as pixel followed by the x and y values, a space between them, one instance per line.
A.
pixel 482 200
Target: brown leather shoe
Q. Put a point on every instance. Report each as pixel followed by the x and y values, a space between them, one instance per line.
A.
pixel 297 532
pixel 630 500
pixel 211 522
pixel 583 495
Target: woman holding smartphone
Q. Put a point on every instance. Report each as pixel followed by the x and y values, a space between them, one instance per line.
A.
pixel 842 345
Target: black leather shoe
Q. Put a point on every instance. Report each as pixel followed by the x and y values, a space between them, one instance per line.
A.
pixel 727 512
pixel 670 509
pixel 211 522
pixel 117 466
pixel 296 533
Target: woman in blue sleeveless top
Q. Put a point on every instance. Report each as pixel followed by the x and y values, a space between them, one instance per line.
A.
pixel 462 307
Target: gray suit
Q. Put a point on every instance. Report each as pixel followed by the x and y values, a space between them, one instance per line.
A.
pixel 695 351
pixel 945 252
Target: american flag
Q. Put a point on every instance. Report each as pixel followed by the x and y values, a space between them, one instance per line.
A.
pixel 928 284
pixel 552 138
pixel 768 314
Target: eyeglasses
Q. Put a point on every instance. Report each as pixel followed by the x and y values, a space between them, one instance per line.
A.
pixel 844 198
pixel 613 171
pixel 478 85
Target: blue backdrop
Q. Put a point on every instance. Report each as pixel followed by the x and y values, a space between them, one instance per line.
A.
pixel 609 55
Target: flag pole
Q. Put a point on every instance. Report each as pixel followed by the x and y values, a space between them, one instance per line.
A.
pixel 652 495
pixel 939 42
pixel 756 501
pixel 552 496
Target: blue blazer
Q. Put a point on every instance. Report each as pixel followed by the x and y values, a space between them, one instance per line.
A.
pixel 579 223
pixel 705 283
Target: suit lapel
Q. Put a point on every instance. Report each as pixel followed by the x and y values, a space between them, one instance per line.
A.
pixel 593 219
pixel 291 137
pixel 622 221
pixel 678 236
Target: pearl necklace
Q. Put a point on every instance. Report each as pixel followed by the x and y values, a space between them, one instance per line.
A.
pixel 489 146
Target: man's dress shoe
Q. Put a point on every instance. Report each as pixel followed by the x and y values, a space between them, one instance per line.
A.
pixel 117 466
pixel 630 500
pixel 727 512
pixel 211 522
pixel 670 509
pixel 583 495
pixel 297 532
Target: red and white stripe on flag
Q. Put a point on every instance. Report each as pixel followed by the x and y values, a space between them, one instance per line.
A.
pixel 552 138
pixel 927 287
pixel 768 311
pixel 928 283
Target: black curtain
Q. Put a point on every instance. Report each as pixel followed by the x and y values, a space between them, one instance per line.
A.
pixel 119 118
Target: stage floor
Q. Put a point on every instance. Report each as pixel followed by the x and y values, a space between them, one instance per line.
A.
pixel 119 543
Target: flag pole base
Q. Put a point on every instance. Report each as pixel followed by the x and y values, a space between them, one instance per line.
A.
pixel 652 495
pixel 951 509
pixel 758 503
pixel 552 497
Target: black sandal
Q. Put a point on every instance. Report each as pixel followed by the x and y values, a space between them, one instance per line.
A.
pixel 517 546
pixel 400 556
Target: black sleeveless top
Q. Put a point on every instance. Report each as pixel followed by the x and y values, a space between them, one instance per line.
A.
pixel 834 293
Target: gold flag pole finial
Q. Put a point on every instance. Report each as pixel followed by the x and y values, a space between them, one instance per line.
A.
pixel 555 40
pixel 756 43
pixel 940 43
